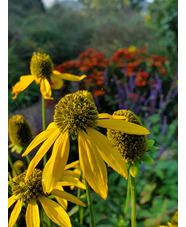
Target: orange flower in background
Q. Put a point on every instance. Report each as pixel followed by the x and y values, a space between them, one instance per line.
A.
pixel 142 79
pixel 97 93
pixel 129 61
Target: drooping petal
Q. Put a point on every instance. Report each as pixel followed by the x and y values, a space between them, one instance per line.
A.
pixel 15 213
pixel 38 139
pixel 67 76
pixel 67 196
pixel 71 181
pixel 22 84
pixel 109 153
pixel 123 126
pixel 61 201
pixel 56 82
pixel 45 89
pixel 53 169
pixel 12 200
pixel 41 152
pixel 55 212
pixel 32 214
pixel 93 167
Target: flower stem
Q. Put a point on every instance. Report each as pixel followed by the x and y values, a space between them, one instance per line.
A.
pixel 89 201
pixel 133 202
pixel 28 158
pixel 127 197
pixel 80 211
pixel 44 126
pixel 11 164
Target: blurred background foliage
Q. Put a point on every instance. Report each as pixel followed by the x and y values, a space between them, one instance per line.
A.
pixel 90 36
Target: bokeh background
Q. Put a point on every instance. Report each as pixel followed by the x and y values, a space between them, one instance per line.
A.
pixel 129 51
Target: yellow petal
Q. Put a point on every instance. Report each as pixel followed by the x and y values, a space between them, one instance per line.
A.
pixel 123 126
pixel 55 212
pixel 56 83
pixel 108 116
pixel 41 152
pixel 53 169
pixel 104 115
pixel 15 213
pixel 12 200
pixel 67 76
pixel 71 181
pixel 22 84
pixel 38 139
pixel 51 125
pixel 109 153
pixel 93 167
pixel 72 173
pixel 67 196
pixel 72 165
pixel 45 89
pixel 61 201
pixel 32 214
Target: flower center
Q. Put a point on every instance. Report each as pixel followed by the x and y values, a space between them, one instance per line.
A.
pixel 31 189
pixel 132 147
pixel 19 130
pixel 75 112
pixel 41 65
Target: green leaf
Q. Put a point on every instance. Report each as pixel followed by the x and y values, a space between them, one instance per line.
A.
pixel 152 148
pixel 150 142
pixel 147 159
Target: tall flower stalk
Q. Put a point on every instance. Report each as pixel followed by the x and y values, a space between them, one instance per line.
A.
pixel 133 201
pixel 89 201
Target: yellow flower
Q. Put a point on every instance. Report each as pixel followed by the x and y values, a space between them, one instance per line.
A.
pixel 42 71
pixel 147 18
pixel 31 192
pixel 76 115
pixel 132 49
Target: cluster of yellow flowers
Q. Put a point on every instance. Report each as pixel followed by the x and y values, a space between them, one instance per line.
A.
pixel 75 116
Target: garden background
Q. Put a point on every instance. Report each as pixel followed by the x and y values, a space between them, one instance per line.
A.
pixel 128 50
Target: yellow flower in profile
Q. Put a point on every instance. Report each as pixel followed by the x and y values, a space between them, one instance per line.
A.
pixel 31 192
pixel 19 167
pixel 76 115
pixel 20 133
pixel 131 147
pixel 43 73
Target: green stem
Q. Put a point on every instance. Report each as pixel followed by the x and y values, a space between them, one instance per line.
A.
pixel 79 217
pixel 127 197
pixel 28 158
pixel 89 201
pixel 44 126
pixel 133 202
pixel 11 164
